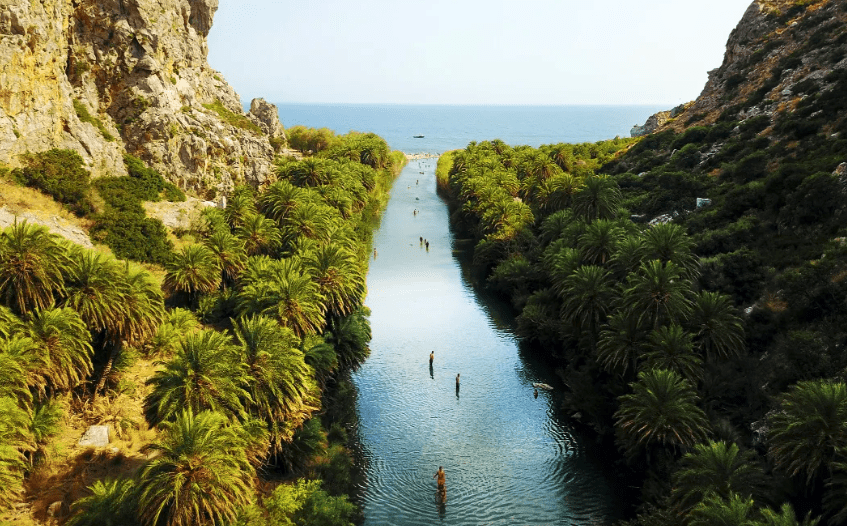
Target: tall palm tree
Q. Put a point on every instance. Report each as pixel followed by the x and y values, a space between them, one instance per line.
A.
pixel 310 220
pixel 193 271
pixel 599 198
pixel 339 276
pixel 588 297
pixel 9 323
pixel 239 205
pixel 658 294
pixel 810 428
pixel 279 200
pixel 562 154
pixel 834 501
pixel 670 347
pixel 599 241
pixel 621 342
pixel 230 253
pixel 278 381
pixel 201 474
pixel 719 332
pixel 350 336
pixel 259 235
pixel 63 335
pixel 717 468
pixel 669 242
pixel 661 411
pixel 25 361
pixel 312 171
pixel 288 294
pixel 33 263
pixel 96 291
pixel 736 510
pixel 205 373
pixel 628 256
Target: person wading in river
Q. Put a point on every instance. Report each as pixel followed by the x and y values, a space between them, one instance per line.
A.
pixel 442 480
pixel 431 358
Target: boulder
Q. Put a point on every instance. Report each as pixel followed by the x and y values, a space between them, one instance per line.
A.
pixel 266 116
pixel 95 436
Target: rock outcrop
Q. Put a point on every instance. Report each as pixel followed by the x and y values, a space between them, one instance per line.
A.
pixel 104 77
pixel 780 52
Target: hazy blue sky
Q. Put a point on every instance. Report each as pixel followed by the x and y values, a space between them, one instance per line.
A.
pixel 471 51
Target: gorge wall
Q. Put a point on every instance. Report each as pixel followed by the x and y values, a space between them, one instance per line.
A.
pixel 104 77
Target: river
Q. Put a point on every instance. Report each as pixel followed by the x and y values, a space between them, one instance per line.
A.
pixel 510 458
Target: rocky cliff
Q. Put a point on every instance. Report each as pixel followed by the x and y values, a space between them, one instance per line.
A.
pixel 780 53
pixel 104 77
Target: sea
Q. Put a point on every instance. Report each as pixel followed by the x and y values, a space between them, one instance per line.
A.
pixel 450 127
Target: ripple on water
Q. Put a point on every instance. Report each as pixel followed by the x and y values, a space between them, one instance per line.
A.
pixel 509 459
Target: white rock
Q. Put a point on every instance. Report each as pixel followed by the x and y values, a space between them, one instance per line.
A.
pixel 96 436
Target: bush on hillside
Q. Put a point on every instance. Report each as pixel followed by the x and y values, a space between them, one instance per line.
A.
pixel 59 174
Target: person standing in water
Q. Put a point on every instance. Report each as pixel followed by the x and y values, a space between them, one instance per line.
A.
pixel 442 479
pixel 431 358
pixel 457 381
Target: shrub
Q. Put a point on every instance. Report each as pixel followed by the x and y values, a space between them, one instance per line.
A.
pixel 60 174
pixel 132 236
pixel 85 116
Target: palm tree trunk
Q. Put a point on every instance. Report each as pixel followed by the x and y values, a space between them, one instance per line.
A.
pixel 116 349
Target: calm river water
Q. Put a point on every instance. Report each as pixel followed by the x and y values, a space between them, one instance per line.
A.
pixel 510 458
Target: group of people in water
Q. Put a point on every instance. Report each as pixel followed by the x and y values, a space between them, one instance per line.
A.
pixel 424 242
pixel 440 475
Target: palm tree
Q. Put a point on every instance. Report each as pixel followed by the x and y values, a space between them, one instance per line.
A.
pixel 201 475
pixel 95 291
pixel 321 357
pixel 63 336
pixel 164 342
pixel 288 294
pixel 259 234
pixel 15 439
pixel 239 205
pixel 717 468
pixel 230 254
pixel 312 171
pixel 834 501
pixel 279 200
pixel 339 276
pixel 599 198
pixel 112 502
pixel 193 271
pixel 810 428
pixel 657 293
pixel 599 241
pixel 350 337
pixel 33 263
pixel 588 296
pixel 205 373
pixel 628 256
pixel 661 411
pixel 670 347
pixel 719 331
pixel 669 242
pixel 717 511
pixel 557 192
pixel 562 154
pixel 278 381
pixel 25 362
pixel 9 323
pixel 621 342
pixel 312 221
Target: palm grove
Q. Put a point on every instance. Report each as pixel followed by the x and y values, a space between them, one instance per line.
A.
pixel 254 322
pixel 652 357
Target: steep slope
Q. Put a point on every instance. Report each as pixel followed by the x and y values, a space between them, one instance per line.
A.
pixel 114 76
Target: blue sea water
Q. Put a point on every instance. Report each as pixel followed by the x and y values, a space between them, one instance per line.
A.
pixel 449 127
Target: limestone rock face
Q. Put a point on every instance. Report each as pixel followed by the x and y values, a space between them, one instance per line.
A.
pixel 652 124
pixel 139 67
pixel 266 116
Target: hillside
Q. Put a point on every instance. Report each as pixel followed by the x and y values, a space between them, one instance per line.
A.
pixel 104 78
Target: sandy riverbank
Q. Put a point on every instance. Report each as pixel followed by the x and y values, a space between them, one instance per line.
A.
pixel 415 156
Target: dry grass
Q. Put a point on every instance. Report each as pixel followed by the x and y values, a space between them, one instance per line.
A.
pixel 19 199
pixel 66 470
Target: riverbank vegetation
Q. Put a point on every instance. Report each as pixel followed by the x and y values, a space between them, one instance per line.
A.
pixel 220 367
pixel 705 344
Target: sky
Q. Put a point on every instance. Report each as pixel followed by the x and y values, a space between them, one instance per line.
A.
pixel 539 52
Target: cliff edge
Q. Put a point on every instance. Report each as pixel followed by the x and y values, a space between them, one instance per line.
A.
pixel 105 77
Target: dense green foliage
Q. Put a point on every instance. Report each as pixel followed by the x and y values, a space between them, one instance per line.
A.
pixel 643 322
pixel 278 279
pixel 59 174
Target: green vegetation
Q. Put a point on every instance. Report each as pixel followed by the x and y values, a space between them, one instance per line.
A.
pixel 232 118
pixel 643 321
pixel 59 174
pixel 84 115
pixel 278 279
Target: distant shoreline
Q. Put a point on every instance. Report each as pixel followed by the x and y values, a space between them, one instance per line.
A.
pixel 416 156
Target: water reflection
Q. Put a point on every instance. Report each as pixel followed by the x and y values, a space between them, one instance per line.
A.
pixel 510 459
